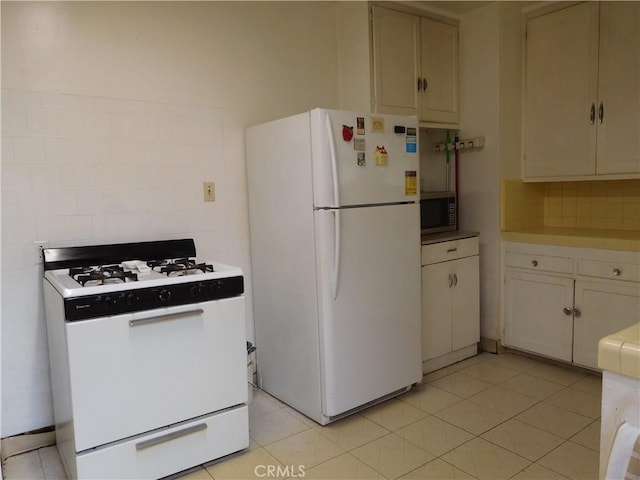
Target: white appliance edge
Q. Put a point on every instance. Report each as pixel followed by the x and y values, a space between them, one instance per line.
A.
pixel 309 356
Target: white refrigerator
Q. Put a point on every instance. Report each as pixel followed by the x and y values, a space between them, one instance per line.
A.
pixel 335 249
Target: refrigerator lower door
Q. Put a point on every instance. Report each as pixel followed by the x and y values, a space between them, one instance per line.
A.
pixel 370 303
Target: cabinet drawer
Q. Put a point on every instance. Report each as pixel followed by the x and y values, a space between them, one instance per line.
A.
pixel 612 270
pixel 444 251
pixel 543 263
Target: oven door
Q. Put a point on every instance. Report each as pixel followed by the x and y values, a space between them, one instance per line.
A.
pixel 133 373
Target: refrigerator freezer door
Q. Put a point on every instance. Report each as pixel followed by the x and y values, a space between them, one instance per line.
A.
pixel 374 166
pixel 370 307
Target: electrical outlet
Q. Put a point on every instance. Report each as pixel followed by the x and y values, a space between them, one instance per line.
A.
pixel 209 191
pixel 38 246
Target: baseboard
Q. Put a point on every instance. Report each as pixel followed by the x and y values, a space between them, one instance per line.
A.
pixel 11 446
pixel 490 345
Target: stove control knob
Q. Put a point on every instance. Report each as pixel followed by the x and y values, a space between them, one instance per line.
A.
pixel 197 290
pixel 132 298
pixel 164 295
pixel 108 301
pixel 215 286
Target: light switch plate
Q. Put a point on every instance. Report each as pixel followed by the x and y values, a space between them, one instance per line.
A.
pixel 209 189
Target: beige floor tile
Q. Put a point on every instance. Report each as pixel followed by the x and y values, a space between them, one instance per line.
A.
pixel 467 362
pixel 433 376
pixel 430 398
pixel 343 467
pixel 531 386
pixel 525 440
pixel 353 431
pixel 489 372
pixel 562 375
pixel 461 385
pixel 393 414
pixel 484 460
pixel 27 465
pixel 589 437
pixel 472 417
pixel 392 455
pixel 437 470
pixel 555 420
pixel 516 362
pixel 577 401
pixel 196 473
pixel 538 472
pixel 573 461
pixel 434 435
pixel 590 383
pixel 273 426
pixel 51 463
pixel 263 403
pixel 246 465
pixel 308 448
pixel 503 400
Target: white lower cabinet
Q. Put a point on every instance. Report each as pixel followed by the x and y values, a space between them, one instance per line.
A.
pixel 560 301
pixel 450 302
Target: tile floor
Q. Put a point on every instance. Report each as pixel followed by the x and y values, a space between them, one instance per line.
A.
pixel 489 417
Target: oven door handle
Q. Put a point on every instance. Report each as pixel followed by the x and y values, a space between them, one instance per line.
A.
pixel 170 436
pixel 164 317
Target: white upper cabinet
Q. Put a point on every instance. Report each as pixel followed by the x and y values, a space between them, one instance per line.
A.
pixel 581 105
pixel 415 63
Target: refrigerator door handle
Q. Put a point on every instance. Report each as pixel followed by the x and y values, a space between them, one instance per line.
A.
pixel 334 161
pixel 336 253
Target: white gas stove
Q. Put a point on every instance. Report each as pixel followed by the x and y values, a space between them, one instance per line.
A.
pixel 148 358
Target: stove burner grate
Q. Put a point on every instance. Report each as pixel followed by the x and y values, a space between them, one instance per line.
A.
pixel 179 266
pixel 101 275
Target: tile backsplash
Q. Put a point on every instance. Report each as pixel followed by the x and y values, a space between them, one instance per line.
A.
pixel 597 204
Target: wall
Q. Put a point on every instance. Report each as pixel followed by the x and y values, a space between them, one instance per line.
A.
pixel 239 63
pixel 490 72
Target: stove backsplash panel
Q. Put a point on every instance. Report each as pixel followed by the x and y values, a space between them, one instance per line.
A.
pixel 79 170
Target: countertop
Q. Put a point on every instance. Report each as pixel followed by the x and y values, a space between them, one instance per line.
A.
pixel 430 238
pixel 620 352
pixel 624 240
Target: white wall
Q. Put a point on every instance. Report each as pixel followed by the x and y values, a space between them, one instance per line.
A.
pixel 490 64
pixel 240 63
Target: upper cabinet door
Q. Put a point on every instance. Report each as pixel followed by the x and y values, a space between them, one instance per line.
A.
pixel 619 88
pixel 439 64
pixel 396 40
pixel 560 93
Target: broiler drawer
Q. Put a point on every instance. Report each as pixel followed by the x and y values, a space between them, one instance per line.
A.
pixel 167 451
pixel 449 250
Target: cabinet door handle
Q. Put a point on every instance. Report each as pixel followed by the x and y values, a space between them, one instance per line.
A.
pixel 450 280
pixel 419 83
pixel 601 113
pixel 617 272
pixel 534 263
pixel 455 279
pixel 424 84
pixel 576 312
pixel 592 114
pixel 567 311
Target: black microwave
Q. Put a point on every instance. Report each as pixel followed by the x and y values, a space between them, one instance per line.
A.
pixel 437 212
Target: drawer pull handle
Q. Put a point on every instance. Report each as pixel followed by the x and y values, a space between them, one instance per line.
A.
pixel 170 436
pixel 617 272
pixel 567 311
pixel 162 318
pixel 450 250
pixel 534 263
